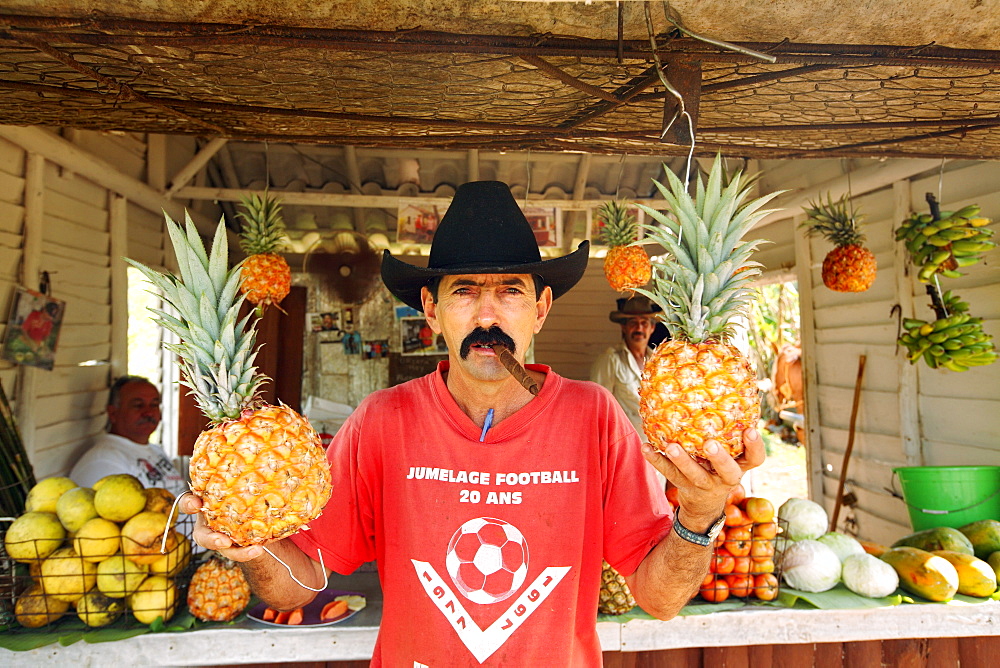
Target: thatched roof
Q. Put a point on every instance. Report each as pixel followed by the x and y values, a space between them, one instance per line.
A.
pixel 848 79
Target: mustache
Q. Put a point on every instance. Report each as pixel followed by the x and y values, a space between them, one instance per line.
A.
pixel 485 337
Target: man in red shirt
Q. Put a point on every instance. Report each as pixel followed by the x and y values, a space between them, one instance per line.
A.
pixel 489 508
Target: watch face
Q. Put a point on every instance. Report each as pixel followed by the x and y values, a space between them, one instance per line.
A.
pixel 713 532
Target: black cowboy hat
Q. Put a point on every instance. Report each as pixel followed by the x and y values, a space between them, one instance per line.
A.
pixel 636 306
pixel 483 232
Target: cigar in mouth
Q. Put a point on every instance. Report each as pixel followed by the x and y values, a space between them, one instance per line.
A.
pixel 515 369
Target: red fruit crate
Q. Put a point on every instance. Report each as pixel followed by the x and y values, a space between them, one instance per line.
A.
pixel 744 563
pixel 64 588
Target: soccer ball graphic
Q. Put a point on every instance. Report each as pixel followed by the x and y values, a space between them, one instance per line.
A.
pixel 487 560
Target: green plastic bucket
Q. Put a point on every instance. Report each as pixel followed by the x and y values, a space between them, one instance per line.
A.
pixel 950 496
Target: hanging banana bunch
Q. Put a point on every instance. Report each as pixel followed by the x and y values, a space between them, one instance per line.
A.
pixel 944 246
pixel 956 342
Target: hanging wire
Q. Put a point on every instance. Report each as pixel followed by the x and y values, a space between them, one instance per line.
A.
pixel 672 17
pixel 681 111
pixel 527 168
pixel 941 180
pixel 621 171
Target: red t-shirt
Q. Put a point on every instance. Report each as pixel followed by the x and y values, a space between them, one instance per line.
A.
pixel 489 552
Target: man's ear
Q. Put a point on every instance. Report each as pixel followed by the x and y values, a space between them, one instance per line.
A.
pixel 430 309
pixel 542 307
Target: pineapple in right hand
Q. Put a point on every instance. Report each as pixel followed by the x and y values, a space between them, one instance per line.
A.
pixel 260 470
pixel 626 265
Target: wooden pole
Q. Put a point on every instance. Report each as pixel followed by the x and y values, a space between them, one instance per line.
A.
pixel 850 444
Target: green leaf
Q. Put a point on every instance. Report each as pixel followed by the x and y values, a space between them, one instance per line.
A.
pixel 838 598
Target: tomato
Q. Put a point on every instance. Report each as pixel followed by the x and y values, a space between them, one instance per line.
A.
pixel 716 592
pixel 720 539
pixel 741 564
pixel 740 584
pixel 673 496
pixel 738 541
pixel 765 566
pixel 758 509
pixel 708 579
pixel 765 530
pixel 765 586
pixel 735 516
pixel 761 549
pixel 722 561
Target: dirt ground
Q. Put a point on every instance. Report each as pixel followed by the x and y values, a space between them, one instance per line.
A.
pixel 782 475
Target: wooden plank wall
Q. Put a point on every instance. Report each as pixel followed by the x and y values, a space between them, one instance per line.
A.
pixel 12 169
pixel 68 401
pixel 958 414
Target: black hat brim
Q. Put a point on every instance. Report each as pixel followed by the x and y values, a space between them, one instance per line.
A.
pixel 405 280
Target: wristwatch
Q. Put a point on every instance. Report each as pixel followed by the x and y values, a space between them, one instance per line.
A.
pixel 703 539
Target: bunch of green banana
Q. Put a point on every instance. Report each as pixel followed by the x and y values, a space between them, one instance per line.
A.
pixel 944 246
pixel 956 342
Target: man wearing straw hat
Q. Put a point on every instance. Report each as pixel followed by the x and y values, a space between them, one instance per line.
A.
pixel 619 368
pixel 489 492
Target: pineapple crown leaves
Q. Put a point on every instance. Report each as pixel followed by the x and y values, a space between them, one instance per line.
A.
pixel 832 220
pixel 262 228
pixel 703 281
pixel 620 226
pixel 216 349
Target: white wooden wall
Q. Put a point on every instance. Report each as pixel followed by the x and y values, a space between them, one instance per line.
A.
pixel 77 230
pixel 909 415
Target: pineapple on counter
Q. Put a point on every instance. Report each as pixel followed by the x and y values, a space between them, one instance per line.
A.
pixel 267 277
pixel 697 386
pixel 615 597
pixel 218 591
pixel 850 267
pixel 260 470
pixel 626 265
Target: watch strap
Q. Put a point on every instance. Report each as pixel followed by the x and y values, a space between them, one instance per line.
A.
pixel 703 539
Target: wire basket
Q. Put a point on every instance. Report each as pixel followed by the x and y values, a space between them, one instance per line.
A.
pixel 100 581
pixel 745 563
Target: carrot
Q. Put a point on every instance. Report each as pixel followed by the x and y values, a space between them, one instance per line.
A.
pixel 269 614
pixel 333 609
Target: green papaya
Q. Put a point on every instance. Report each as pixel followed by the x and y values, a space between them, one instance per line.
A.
pixel 938 538
pixel 984 536
pixel 922 573
pixel 975 576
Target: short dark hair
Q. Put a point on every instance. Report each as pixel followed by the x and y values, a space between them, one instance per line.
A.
pixel 114 395
pixel 435 283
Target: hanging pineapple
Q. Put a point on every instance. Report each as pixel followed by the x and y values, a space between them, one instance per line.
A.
pixel 626 265
pixel 850 267
pixel 260 470
pixel 615 597
pixel 218 591
pixel 697 386
pixel 267 277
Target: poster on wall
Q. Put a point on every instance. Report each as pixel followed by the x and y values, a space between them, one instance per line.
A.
pixel 544 221
pixel 417 338
pixel 417 220
pixel 33 329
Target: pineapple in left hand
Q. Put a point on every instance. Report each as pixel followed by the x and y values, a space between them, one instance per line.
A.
pixel 260 470
pixel 267 278
pixel 850 267
pixel 697 386
pixel 626 265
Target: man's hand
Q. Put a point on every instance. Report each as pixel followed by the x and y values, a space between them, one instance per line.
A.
pixel 701 493
pixel 213 540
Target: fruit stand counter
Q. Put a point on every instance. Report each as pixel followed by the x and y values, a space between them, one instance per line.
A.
pixel 907 634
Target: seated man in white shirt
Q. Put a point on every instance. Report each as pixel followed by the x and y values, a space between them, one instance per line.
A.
pixel 133 415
